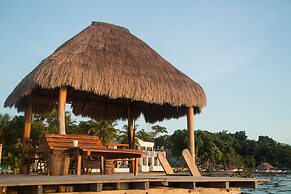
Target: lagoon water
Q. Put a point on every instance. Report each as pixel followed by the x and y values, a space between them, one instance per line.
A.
pixel 280 183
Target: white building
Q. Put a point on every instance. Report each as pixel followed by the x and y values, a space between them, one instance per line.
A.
pixel 149 163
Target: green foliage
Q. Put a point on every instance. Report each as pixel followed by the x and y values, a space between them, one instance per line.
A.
pixel 179 142
pixel 49 123
pixel 122 136
pixel 211 148
pixel 158 130
pixel 13 158
pixel 143 135
pixel 149 136
pixel 105 130
pixel 4 122
pixel 232 149
pixel 163 141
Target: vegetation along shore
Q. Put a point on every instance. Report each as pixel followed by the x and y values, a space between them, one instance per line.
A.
pixel 218 152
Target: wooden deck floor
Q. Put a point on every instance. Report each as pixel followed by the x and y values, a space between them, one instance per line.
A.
pixel 98 183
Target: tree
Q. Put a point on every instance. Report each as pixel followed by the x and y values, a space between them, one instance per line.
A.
pixel 12 145
pixel 143 135
pixel 211 153
pixel 151 135
pixel 163 141
pixel 51 123
pixel 13 133
pixel 105 130
pixel 38 129
pixel 224 142
pixel 4 123
pixel 158 130
pixel 123 135
pixel 179 142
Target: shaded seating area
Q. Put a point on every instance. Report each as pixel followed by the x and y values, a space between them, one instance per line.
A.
pixel 58 150
pixel 106 73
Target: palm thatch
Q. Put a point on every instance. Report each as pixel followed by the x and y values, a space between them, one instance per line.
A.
pixel 265 166
pixel 107 69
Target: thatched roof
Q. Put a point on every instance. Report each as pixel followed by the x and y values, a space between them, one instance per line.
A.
pixel 265 166
pixel 106 69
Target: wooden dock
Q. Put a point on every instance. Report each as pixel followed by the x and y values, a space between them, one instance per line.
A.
pixel 123 184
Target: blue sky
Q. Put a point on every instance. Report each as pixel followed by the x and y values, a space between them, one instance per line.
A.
pixel 239 51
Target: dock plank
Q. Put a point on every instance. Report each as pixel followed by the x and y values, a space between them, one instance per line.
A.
pixel 36 184
pixel 30 180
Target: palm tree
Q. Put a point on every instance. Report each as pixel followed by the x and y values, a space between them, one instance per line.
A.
pixel 105 130
pixel 158 130
pixel 123 135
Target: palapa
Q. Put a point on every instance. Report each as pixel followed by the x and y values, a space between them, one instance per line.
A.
pixel 265 166
pixel 106 69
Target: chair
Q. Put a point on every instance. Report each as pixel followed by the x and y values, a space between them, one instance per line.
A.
pixel 190 163
pixel 165 164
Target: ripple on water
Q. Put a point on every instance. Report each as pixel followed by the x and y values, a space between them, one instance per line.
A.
pixel 280 183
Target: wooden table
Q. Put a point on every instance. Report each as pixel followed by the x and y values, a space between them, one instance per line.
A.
pixel 87 145
pixel 107 153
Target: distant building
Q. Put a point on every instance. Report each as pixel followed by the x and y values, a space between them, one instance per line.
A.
pixel 149 163
pixel 265 167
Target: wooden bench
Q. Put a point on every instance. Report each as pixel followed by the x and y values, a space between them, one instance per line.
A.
pixel 88 146
pixel 58 142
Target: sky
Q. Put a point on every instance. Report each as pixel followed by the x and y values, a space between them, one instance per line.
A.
pixel 238 51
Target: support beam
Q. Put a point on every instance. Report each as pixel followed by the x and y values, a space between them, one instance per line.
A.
pixel 79 166
pixel 130 137
pixel 26 137
pixel 102 165
pixel 62 109
pixel 190 127
pixel 0 156
pixel 130 129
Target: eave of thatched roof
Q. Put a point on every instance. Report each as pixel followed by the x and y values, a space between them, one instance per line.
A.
pixel 107 61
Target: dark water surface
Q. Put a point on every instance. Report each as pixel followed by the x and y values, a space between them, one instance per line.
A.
pixel 280 183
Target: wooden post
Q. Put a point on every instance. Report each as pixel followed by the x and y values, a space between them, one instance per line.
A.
pixel 0 153
pixel 62 109
pixel 135 166
pixel 102 165
pixel 130 129
pixel 190 127
pixel 130 137
pixel 26 137
pixel 79 162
